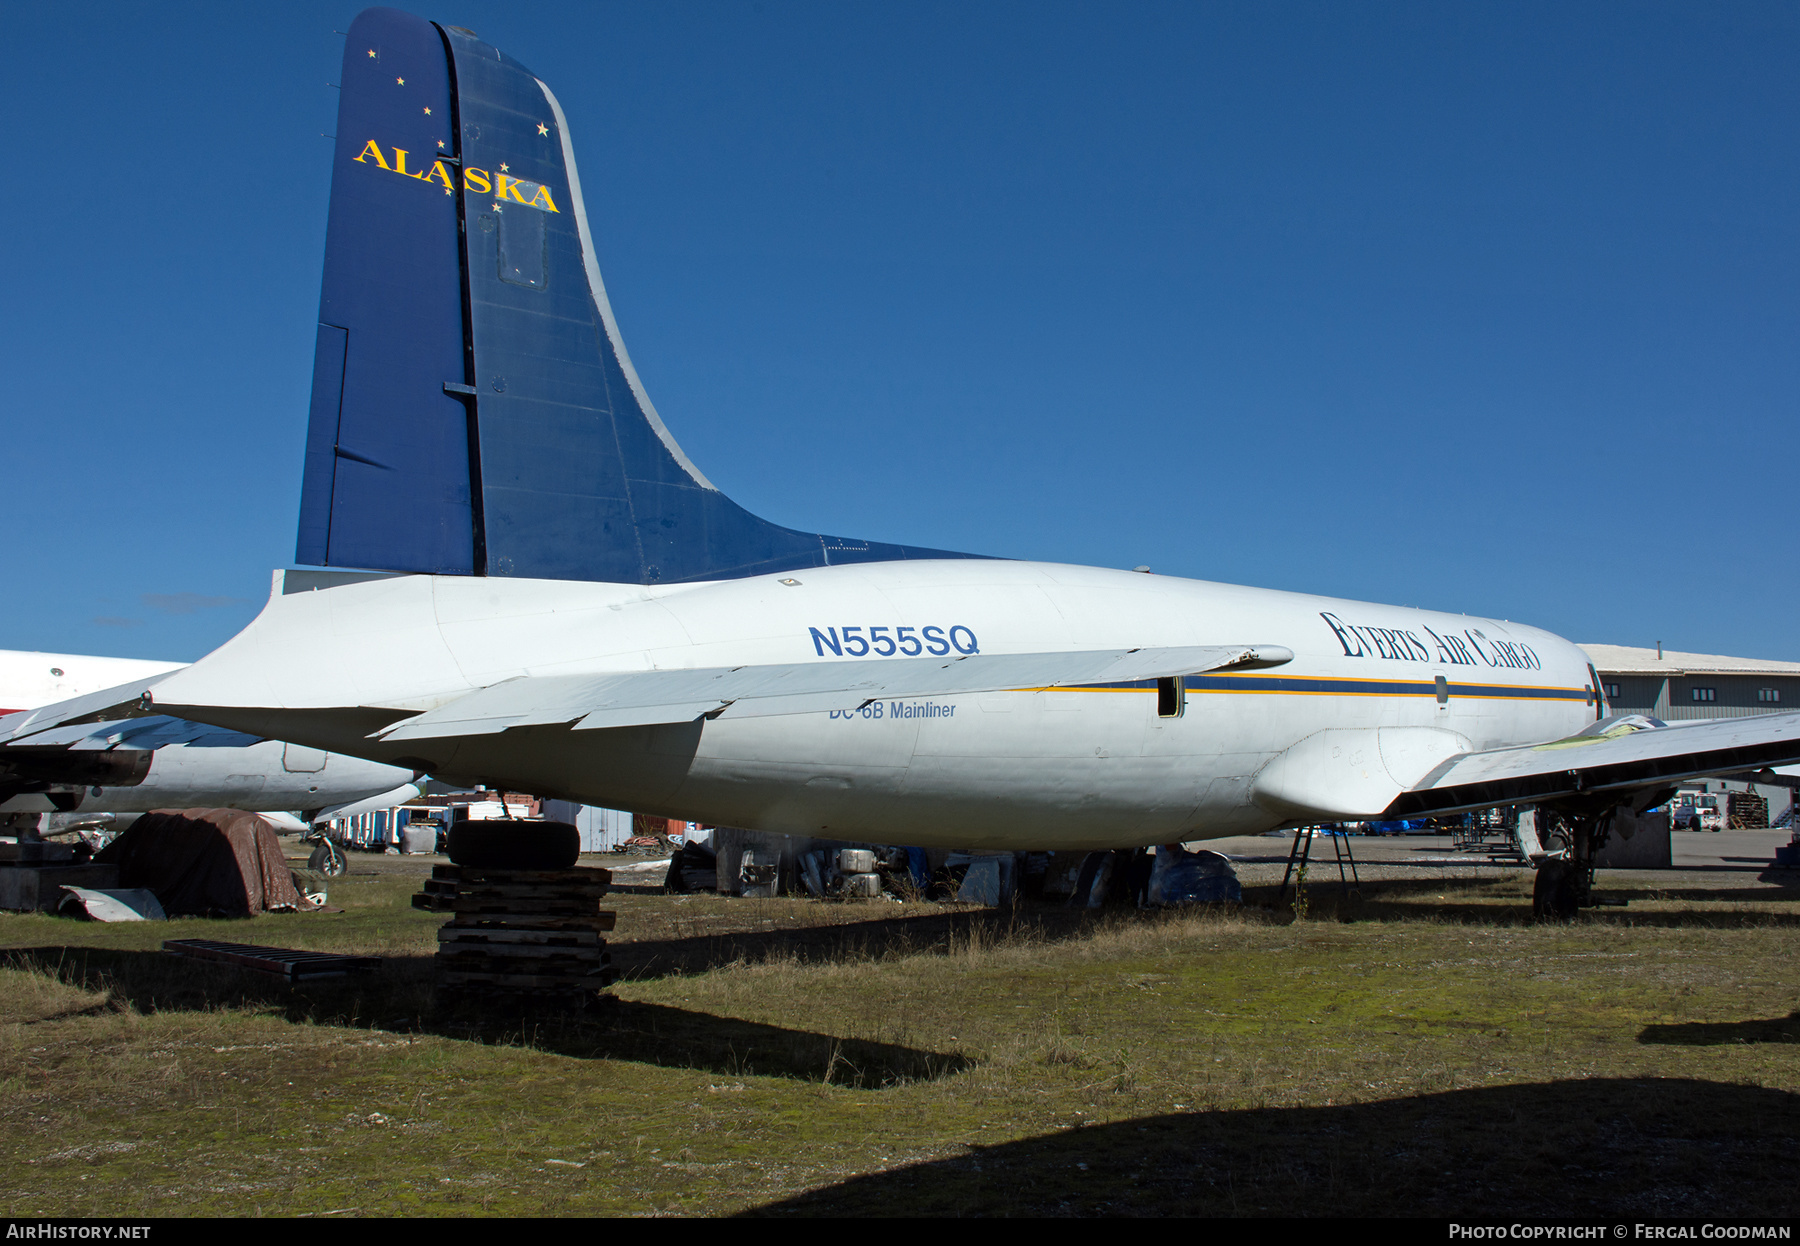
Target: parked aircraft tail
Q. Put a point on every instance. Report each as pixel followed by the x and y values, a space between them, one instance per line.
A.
pixel 474 410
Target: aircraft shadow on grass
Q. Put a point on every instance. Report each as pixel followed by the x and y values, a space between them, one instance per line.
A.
pixel 1600 1146
pixel 1735 895
pixel 1387 899
pixel 1718 1033
pixel 398 997
pixel 871 940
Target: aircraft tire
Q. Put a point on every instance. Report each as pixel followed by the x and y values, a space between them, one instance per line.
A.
pixel 504 844
pixel 327 860
pixel 1553 894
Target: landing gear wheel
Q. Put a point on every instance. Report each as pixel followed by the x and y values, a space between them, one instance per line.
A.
pixel 327 860
pixel 1554 896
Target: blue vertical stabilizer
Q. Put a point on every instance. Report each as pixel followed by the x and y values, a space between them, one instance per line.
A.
pixel 474 410
pixel 387 451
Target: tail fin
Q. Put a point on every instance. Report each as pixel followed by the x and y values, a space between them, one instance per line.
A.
pixel 474 411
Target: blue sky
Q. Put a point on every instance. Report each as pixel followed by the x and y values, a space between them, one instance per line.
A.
pixel 1478 307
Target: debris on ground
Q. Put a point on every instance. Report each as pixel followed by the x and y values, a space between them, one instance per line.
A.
pixel 694 868
pixel 290 963
pixel 988 878
pixel 133 904
pixel 1183 877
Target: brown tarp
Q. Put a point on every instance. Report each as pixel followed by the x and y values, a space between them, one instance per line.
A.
pixel 206 862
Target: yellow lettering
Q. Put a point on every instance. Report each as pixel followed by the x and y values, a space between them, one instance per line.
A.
pixel 372 148
pixel 508 188
pixel 476 180
pixel 400 165
pixel 440 174
pixel 544 194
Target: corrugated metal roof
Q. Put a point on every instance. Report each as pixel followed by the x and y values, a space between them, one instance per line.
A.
pixel 1625 660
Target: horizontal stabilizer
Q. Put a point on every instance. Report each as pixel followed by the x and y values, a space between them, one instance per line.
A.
pixel 1619 760
pixel 642 698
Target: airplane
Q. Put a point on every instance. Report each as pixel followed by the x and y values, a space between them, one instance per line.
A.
pixel 512 575
pixel 134 765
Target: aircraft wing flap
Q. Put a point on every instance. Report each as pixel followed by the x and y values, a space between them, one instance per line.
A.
pixel 641 698
pixel 805 703
pixel 1157 663
pixel 406 730
pixel 1617 761
pixel 530 701
pixel 647 715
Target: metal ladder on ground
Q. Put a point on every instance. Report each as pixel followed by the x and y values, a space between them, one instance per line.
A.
pixel 1301 853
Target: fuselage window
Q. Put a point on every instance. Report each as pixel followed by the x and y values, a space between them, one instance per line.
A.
pixel 1443 690
pixel 1171 698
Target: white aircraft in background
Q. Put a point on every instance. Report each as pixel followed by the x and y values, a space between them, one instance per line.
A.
pixel 138 764
pixel 549 596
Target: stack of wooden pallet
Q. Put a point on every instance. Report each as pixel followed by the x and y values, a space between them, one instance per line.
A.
pixel 531 936
pixel 1746 811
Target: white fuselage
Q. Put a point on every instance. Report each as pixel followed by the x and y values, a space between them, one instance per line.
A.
pixel 1353 718
pixel 267 776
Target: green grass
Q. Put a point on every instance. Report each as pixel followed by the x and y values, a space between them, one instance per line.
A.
pixel 1426 1050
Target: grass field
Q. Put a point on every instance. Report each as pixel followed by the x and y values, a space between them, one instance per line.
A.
pixel 1424 1051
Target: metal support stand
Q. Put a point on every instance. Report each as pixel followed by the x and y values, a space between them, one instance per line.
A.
pixel 1340 844
pixel 1293 852
pixel 1301 853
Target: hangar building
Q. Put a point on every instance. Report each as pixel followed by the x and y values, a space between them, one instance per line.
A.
pixel 1679 687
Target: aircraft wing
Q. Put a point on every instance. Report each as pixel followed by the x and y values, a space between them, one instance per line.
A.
pixel 90 740
pixel 644 698
pixel 1620 760
pixel 130 733
pixel 71 743
pixel 108 703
